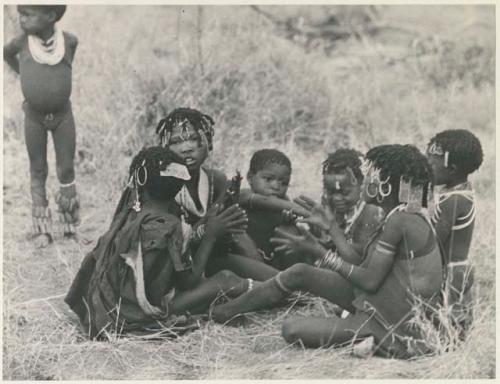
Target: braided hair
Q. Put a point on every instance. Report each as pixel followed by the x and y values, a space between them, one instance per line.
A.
pixel 59 10
pixel 342 159
pixel 263 157
pixel 145 170
pixel 397 162
pixel 463 147
pixel 197 119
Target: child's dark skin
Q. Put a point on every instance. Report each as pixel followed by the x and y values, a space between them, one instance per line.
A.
pixel 47 90
pixel 456 243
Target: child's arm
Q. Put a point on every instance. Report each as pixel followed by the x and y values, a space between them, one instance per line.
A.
pixel 231 221
pixel 457 244
pixel 73 44
pixel 369 275
pixel 249 199
pixel 10 51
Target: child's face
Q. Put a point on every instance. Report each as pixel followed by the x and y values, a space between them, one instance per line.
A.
pixel 340 192
pixel 272 180
pixel 440 172
pixel 33 20
pixel 188 144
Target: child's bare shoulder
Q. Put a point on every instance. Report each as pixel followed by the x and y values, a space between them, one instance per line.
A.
pixel 455 205
pixel 71 38
pixel 372 214
pixel 16 43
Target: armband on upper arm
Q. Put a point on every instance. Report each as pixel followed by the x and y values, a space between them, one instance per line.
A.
pixel 385 248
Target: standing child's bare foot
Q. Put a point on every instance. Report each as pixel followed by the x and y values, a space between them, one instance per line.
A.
pixel 42 240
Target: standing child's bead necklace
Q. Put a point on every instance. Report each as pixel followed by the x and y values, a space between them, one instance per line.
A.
pixel 50 52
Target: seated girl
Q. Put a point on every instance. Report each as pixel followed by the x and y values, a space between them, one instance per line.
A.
pixel 342 179
pixel 453 155
pixel 141 273
pixel 400 265
pixel 189 134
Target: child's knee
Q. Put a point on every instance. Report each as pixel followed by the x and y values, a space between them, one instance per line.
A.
pixel 293 277
pixel 227 279
pixel 65 173
pixel 39 170
pixel 290 331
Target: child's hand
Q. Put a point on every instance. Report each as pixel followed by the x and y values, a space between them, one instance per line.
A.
pixel 318 215
pixel 233 220
pixel 305 243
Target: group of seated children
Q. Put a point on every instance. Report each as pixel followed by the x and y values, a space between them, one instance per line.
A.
pixel 183 240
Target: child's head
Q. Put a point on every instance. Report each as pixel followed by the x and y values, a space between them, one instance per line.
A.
pixel 389 166
pixel 453 154
pixel 159 171
pixel 188 133
pixel 37 18
pixel 269 173
pixel 342 179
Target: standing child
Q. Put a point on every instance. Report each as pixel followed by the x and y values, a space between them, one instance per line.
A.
pixel 43 57
pixel 453 155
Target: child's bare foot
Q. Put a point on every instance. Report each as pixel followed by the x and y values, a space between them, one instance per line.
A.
pixel 70 236
pixel 42 240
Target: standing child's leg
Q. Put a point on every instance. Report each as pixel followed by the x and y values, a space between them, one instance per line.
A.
pixel 64 137
pixel 36 142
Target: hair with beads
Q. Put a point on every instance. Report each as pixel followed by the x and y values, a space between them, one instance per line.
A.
pixel 59 10
pixel 464 149
pixel 147 165
pixel 261 158
pixel 199 121
pixel 398 162
pixel 341 159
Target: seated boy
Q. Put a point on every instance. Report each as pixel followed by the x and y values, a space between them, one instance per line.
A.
pixel 252 255
pixel 453 155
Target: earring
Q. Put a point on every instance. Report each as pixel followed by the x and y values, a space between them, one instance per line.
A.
pixel 380 198
pixel 404 190
pixel 370 195
pixel 381 189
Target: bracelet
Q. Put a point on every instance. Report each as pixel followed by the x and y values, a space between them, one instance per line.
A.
pixel 250 285
pixel 331 260
pixel 350 271
pixel 200 231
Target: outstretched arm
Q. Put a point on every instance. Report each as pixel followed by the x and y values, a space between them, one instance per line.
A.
pixel 249 199
pixel 10 52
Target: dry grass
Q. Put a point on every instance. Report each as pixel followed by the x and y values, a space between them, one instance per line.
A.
pixel 135 62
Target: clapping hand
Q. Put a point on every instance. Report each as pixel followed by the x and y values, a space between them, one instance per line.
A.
pixel 305 243
pixel 232 220
pixel 318 216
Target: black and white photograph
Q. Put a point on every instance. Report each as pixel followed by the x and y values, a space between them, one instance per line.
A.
pixel 242 191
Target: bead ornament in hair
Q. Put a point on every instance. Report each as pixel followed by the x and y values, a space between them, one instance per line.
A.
pixel 459 147
pixel 150 163
pixel 405 169
pixel 183 117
